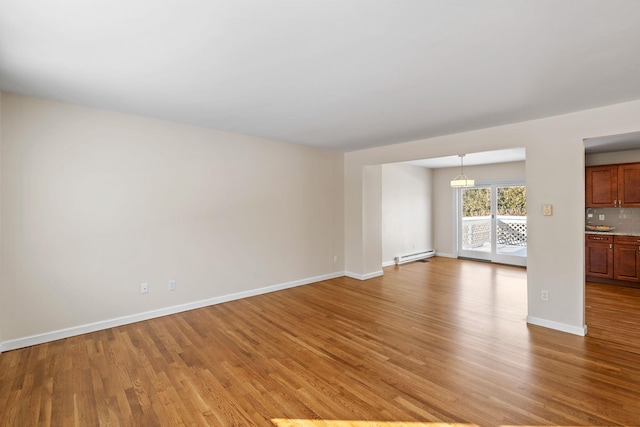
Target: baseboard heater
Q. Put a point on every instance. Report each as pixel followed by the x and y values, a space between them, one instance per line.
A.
pixel 402 259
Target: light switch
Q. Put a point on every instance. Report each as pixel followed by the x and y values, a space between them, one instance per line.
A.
pixel 547 210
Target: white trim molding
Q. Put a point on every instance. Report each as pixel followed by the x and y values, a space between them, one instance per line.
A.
pixel 133 318
pixel 563 327
pixel 364 276
pixel 443 255
pixel 388 263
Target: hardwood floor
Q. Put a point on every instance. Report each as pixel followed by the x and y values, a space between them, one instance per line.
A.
pixel 428 343
pixel 613 315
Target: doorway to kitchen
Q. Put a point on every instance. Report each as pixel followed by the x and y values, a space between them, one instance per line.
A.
pixel 492 223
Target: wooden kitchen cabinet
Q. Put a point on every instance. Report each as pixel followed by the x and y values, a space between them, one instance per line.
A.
pixel 626 262
pixel 599 255
pixel 629 185
pixel 601 186
pixel 612 186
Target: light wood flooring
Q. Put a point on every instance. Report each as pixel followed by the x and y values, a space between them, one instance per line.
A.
pixel 428 344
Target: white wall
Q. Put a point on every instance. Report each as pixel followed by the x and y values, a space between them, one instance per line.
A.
pixel 554 175
pixel 1 274
pixel 93 203
pixel 443 211
pixel 96 202
pixel 629 156
pixel 372 204
pixel 406 210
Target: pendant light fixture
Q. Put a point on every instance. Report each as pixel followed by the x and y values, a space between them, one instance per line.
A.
pixel 462 180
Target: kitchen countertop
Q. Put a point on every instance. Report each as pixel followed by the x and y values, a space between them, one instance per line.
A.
pixel 611 233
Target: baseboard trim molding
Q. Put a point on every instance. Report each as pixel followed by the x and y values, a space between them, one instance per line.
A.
pixel 443 255
pixel 563 327
pixel 364 276
pixel 138 317
pixel 388 263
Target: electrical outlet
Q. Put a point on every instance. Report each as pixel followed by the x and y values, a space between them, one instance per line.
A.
pixel 544 295
pixel 144 288
pixel 601 217
pixel 335 258
pixel 172 285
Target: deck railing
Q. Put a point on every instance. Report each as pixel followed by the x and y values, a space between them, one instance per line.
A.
pixel 511 231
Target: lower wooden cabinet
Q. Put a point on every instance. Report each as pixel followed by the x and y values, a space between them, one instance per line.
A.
pixel 599 255
pixel 612 257
pixel 626 262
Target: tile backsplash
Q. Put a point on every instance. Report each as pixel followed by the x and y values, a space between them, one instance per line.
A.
pixel 625 220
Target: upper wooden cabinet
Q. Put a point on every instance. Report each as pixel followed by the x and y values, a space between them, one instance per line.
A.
pixel 612 186
pixel 629 185
pixel 601 185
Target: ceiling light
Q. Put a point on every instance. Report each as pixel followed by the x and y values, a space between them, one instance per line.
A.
pixel 462 180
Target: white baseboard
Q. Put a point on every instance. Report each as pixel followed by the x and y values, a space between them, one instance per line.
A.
pixel 364 276
pixel 388 263
pixel 125 320
pixel 445 255
pixel 563 327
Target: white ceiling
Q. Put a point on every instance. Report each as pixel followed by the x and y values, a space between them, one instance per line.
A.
pixel 342 75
